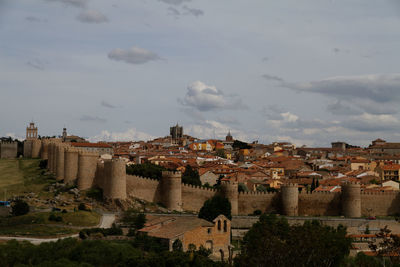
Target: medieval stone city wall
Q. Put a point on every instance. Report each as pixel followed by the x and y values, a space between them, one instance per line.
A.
pixel 193 197
pixel 380 203
pixel 143 188
pixel 86 170
pixel 8 150
pixel 319 204
pixel 263 201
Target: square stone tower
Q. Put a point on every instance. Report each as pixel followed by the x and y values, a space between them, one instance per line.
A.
pixel 31 132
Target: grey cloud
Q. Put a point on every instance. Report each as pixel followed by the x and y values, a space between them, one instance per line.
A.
pixel 367 92
pixel 92 119
pixel 173 11
pixel 336 50
pixel 174 2
pixel 265 59
pixel 228 120
pixel 273 78
pixel 193 11
pixel 133 55
pixel 203 97
pixel 36 64
pixel 340 108
pixel 91 16
pixel 73 3
pixel 34 19
pixel 107 105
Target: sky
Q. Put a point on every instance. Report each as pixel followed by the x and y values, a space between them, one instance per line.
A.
pixel 308 72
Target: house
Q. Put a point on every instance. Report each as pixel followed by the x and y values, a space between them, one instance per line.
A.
pixel 207 176
pixel 101 148
pixel 388 172
pixel 191 231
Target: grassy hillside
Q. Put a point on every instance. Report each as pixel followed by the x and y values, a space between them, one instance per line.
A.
pixel 19 176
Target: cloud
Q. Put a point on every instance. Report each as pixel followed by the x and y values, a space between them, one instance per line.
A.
pixel 91 16
pixel 193 11
pixel 129 135
pixel 36 64
pixel 372 123
pixel 340 108
pixel 174 2
pixel 173 12
pixel 107 105
pixel 205 98
pixel 34 19
pixel 273 78
pixel 376 93
pixel 92 119
pixel 265 59
pixel 73 3
pixel 336 50
pixel 133 55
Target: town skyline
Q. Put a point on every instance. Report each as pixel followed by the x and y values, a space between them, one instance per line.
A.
pixel 311 74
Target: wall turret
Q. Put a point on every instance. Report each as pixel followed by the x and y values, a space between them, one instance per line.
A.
pixel 87 164
pixel 36 146
pixel 230 190
pixel 172 190
pixel 44 153
pixel 351 200
pixel 290 199
pixel 115 179
pixel 28 148
pixel 60 151
pixel 70 165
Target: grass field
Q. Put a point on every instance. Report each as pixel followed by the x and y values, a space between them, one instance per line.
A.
pixel 18 176
pixel 38 224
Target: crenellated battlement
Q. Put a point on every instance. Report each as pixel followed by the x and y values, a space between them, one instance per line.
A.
pixel 256 193
pixel 199 187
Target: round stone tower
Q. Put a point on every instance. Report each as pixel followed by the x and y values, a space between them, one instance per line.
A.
pixel 36 145
pixel 99 176
pixel 172 190
pixel 230 190
pixel 70 165
pixel 49 156
pixel 44 154
pixel 117 180
pixel 54 158
pixel 87 163
pixel 290 199
pixel 28 148
pixel 351 200
pixel 60 149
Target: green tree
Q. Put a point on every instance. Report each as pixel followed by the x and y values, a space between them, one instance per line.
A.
pixel 313 185
pixel 242 187
pixel 261 188
pixel 215 206
pixel 147 170
pixel 19 207
pixel 191 176
pixel 388 246
pixel 272 242
pixel 220 153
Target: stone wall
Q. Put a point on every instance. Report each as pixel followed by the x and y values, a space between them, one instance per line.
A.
pixel 252 201
pixel 380 204
pixel 193 197
pixel 319 204
pixel 143 188
pixel 8 150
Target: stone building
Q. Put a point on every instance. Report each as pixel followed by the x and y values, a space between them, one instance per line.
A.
pixel 192 232
pixel 176 133
pixel 101 148
pixel 31 132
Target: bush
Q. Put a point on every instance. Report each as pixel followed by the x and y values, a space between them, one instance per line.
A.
pixel 43 164
pixel 95 193
pixel 215 206
pixel 257 212
pixel 83 207
pixel 55 218
pixel 19 207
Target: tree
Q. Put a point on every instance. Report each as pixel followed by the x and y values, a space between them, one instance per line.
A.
pixel 147 170
pixel 134 219
pixel 215 206
pixel 317 184
pixel 271 240
pixel 220 153
pixel 388 247
pixel 240 145
pixel 261 188
pixel 19 207
pixel 191 176
pixel 313 185
pixel 242 187
pixel 177 245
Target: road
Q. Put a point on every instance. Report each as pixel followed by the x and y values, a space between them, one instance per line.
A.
pixel 106 221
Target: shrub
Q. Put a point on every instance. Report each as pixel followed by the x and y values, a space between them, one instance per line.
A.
pixel 19 207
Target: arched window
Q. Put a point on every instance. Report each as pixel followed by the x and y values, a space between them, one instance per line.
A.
pixel 225 226
pixel 219 225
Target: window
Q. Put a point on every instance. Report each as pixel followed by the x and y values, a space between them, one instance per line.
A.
pixel 225 226
pixel 209 230
pixel 219 225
